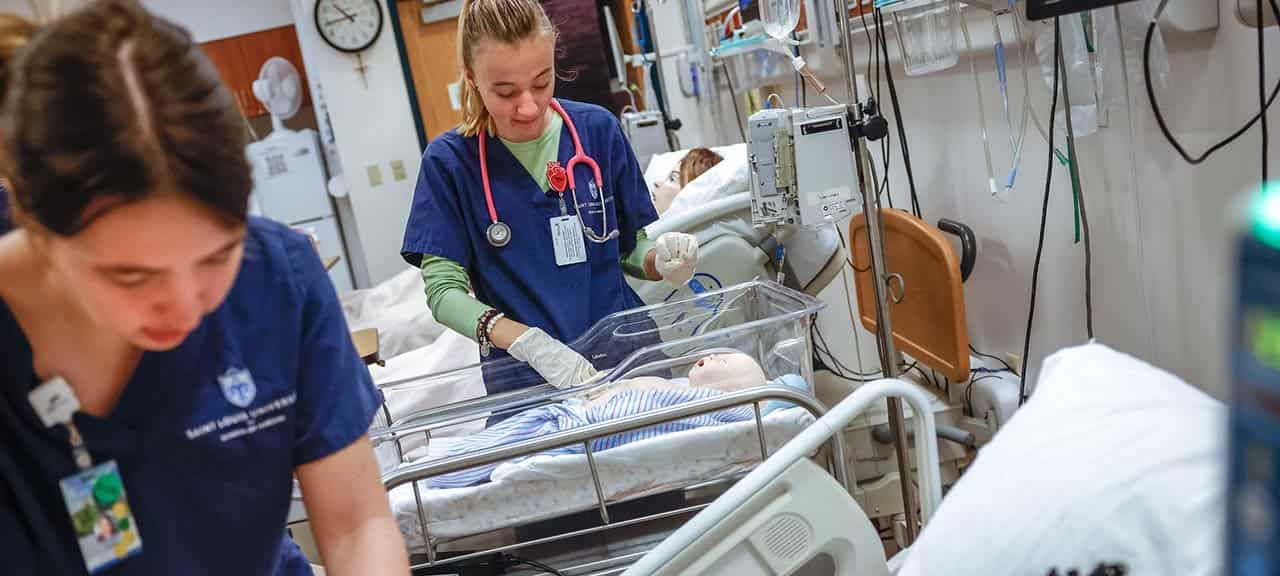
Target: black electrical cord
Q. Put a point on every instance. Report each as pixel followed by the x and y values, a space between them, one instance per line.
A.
pixel 733 97
pixel 916 366
pixel 897 118
pixel 862 14
pixel 996 358
pixel 1262 92
pixel 848 252
pixel 1155 106
pixel 968 392
pixel 835 365
pixel 509 561
pixel 1044 215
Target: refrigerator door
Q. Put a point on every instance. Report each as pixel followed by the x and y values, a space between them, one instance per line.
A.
pixel 289 183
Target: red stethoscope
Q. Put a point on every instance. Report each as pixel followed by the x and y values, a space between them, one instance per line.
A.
pixel 499 233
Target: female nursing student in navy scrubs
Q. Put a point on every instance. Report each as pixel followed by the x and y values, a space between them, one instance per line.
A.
pixel 206 351
pixel 545 264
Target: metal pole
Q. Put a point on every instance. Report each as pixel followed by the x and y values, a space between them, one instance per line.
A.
pixel 875 233
pixel 673 141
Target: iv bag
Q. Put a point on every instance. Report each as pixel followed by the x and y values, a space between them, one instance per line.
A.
pixel 780 17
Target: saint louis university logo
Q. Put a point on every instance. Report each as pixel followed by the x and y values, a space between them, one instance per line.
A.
pixel 237 385
pixel 595 191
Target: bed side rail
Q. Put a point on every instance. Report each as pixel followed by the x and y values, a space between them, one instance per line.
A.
pixel 584 435
pixel 412 473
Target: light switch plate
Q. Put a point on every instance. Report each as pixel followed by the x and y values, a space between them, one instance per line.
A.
pixel 397 170
pixel 375 174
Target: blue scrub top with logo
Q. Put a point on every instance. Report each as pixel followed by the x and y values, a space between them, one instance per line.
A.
pixel 207 435
pixel 450 216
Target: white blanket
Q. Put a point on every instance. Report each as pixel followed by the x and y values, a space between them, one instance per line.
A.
pixel 1112 461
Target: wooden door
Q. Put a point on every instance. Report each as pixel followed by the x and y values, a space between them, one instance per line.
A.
pixel 239 59
pixel 432 51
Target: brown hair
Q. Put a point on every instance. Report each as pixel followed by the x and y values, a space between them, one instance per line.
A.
pixel 15 32
pixel 695 162
pixel 111 102
pixel 506 21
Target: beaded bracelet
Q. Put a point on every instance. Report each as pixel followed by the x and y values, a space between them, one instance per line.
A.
pixel 484 331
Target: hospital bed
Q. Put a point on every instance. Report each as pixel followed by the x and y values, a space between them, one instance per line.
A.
pixel 1112 467
pixel 716 208
pixel 529 488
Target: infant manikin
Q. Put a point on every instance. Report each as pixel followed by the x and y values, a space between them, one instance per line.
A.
pixel 722 372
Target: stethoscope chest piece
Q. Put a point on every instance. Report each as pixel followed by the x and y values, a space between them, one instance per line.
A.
pixel 499 234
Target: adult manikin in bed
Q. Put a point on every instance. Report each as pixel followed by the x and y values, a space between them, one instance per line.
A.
pixel 694 164
pixel 711 376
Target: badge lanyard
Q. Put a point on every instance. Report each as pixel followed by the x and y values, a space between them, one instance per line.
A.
pixel 566 231
pixel 94 496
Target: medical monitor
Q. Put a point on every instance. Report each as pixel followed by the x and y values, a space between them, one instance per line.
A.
pixel 1041 9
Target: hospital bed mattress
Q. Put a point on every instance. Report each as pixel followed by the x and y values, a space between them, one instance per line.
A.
pixel 544 487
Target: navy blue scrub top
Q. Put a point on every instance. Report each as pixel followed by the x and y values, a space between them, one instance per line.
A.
pixel 208 472
pixel 450 216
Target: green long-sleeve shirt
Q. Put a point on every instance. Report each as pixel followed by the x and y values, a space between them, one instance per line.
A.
pixel 449 288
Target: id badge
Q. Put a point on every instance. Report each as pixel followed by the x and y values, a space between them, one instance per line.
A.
pixel 566 235
pixel 100 515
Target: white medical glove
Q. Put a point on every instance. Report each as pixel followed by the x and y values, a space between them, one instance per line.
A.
pixel 677 258
pixel 558 364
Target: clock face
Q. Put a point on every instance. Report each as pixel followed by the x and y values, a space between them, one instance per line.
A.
pixel 349 25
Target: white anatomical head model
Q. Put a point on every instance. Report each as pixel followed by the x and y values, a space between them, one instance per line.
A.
pixel 727 372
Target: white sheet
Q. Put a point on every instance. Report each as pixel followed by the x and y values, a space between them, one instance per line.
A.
pixel 398 309
pixel 545 487
pixel 429 369
pixel 1112 461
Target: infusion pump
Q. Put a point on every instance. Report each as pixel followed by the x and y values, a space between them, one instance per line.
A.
pixel 802 169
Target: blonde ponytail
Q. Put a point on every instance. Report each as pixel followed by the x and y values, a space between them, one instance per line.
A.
pixel 505 21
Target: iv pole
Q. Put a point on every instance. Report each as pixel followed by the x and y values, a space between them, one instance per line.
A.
pixel 875 232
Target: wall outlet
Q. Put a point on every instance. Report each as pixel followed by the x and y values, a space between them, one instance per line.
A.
pixel 375 174
pixel 397 170
pixel 1014 361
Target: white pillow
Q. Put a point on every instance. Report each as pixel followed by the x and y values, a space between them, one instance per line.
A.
pixel 1111 462
pixel 661 165
pixel 731 176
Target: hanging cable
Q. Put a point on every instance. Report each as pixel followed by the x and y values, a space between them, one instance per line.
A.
pixel 1023 49
pixel 505 561
pixel 1077 189
pixel 996 358
pixel 982 107
pixel 1044 216
pixel 1262 92
pixel 897 118
pixel 1155 106
pixel 733 97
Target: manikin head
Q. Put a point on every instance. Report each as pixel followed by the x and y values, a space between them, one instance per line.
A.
pixel 727 373
pixel 694 164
